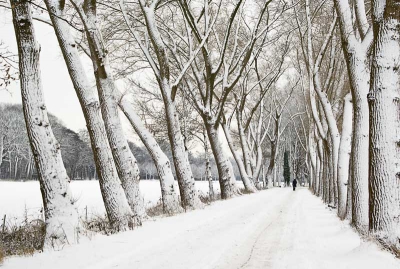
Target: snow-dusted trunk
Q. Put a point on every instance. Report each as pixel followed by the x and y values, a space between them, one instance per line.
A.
pixel 317 175
pixel 359 155
pixel 1 148
pixel 384 102
pixel 227 179
pixel 187 188
pixel 321 179
pixel 247 180
pixel 61 216
pixel 113 195
pixel 259 161
pixel 333 130
pixel 271 167
pixel 325 177
pixel 344 156
pixel 356 56
pixel 332 183
pixel 244 146
pixel 169 188
pixel 263 176
pixel 349 205
pixel 208 167
pixel 125 162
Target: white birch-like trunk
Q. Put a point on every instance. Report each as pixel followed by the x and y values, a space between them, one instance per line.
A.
pixel 359 158
pixel 208 168
pixel 244 147
pixel 384 102
pixel 187 188
pixel 317 175
pixel 1 148
pixel 349 206
pixel 169 188
pixel 344 156
pixel 227 179
pixel 61 216
pixel 356 56
pixel 247 180
pixel 125 162
pixel 116 205
pixel 271 177
pixel 189 196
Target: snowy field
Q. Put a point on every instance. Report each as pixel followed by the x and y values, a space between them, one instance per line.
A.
pixel 21 199
pixel 272 229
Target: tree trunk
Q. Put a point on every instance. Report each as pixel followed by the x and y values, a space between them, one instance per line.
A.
pixel 187 186
pixel 318 175
pixel 169 188
pixel 359 160
pixel 357 61
pixel 1 148
pixel 244 146
pixel 247 180
pixel 61 216
pixel 208 167
pixel 16 167
pixel 349 206
pixel 344 156
pixel 384 102
pixel 125 162
pixel 117 207
pixel 227 179
pixel 271 178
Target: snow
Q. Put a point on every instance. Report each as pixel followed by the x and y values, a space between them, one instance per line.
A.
pixel 20 199
pixel 276 228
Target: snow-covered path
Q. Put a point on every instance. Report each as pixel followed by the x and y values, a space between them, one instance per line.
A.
pixel 277 228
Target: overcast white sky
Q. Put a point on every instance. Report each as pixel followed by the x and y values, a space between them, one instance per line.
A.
pixel 59 93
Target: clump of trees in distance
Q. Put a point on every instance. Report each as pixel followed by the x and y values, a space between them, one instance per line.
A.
pixel 17 161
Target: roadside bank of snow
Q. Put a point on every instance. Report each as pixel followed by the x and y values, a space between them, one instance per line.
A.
pixel 23 199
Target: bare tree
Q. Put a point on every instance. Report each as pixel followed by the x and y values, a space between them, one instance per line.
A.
pixel 116 204
pixel 62 223
pixel 356 42
pixel 125 162
pixel 384 183
pixel 162 71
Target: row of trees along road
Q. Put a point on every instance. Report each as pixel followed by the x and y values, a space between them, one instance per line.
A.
pixel 266 76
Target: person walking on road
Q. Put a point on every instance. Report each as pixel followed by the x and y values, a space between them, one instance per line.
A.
pixel 294 184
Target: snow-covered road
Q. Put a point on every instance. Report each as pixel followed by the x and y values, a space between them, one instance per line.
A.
pixel 277 228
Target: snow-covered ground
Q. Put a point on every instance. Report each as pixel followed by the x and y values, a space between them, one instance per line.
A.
pixel 23 199
pixel 277 228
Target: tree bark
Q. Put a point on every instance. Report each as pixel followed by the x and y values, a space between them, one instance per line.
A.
pixel 247 180
pixel 169 189
pixel 227 179
pixel 356 56
pixel 61 216
pixel 384 103
pixel 344 156
pixel 125 162
pixel 187 188
pixel 117 207
pixel 208 168
pixel 271 167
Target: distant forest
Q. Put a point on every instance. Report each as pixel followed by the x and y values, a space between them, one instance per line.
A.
pixel 17 162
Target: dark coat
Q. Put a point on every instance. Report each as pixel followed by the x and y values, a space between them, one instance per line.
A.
pixel 294 183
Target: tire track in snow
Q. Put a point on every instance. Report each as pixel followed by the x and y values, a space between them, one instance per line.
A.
pixel 268 242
